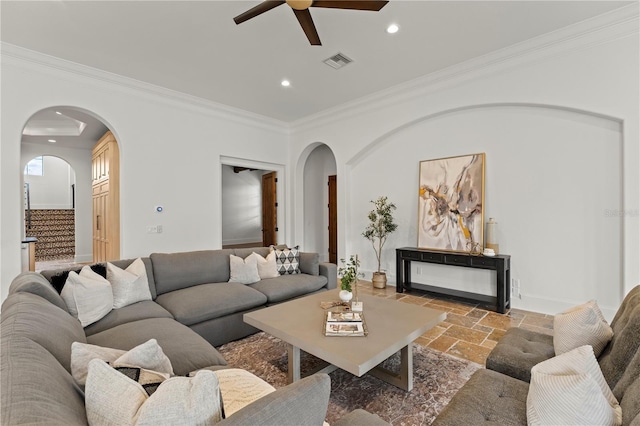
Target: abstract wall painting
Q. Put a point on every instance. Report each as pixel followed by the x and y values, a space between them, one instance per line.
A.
pixel 451 204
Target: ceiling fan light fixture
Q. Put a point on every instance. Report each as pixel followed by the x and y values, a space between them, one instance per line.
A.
pixel 300 4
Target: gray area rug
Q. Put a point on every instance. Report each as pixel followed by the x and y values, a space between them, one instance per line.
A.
pixel 436 378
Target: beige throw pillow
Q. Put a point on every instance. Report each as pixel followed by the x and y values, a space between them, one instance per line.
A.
pixel 569 389
pixel 88 296
pixel 267 267
pixel 581 325
pixel 148 355
pixel 112 398
pixel 243 271
pixel 129 285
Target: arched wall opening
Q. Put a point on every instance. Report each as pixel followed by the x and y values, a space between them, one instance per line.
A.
pixel 75 131
pixel 553 181
pixel 319 164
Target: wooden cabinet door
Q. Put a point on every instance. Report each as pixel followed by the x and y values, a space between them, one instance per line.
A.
pixel 106 199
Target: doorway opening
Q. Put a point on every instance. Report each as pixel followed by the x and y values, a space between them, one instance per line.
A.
pixel 251 203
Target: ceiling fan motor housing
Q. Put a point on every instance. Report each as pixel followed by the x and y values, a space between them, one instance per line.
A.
pixel 300 4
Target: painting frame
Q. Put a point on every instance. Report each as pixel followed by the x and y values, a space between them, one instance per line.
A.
pixel 451 203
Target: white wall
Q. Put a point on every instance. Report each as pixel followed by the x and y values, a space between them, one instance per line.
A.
pixel 80 162
pixel 319 166
pixel 52 190
pixel 170 147
pixel 559 125
pixel 241 206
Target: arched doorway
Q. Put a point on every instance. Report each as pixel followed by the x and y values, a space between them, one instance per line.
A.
pixel 68 134
pixel 320 204
pixel 49 199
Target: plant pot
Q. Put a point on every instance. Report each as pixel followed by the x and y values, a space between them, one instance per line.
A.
pixel 379 279
pixel 345 295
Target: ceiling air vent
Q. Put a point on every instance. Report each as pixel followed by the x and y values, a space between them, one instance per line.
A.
pixel 337 61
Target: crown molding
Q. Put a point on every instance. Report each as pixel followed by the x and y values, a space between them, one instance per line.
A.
pixel 12 54
pixel 605 28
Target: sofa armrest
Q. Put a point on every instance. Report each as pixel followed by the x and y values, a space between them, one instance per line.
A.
pixel 301 403
pixel 330 270
pixel 360 417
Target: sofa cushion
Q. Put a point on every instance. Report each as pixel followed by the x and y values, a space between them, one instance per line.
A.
pixel 243 271
pixel 186 350
pixel 309 263
pixel 125 263
pixel 488 397
pixel 288 260
pixel 129 285
pixel 625 342
pixel 267 267
pixel 518 351
pixel 58 277
pixel 570 389
pixel 32 317
pixel 244 252
pixel 289 286
pixel 112 398
pixel 35 283
pixel 304 402
pixel 88 296
pixel 581 325
pixel 360 417
pixel 174 271
pixel 148 355
pixel 134 312
pixel 36 389
pixel 200 303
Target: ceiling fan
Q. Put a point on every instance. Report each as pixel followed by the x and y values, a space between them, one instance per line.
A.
pixel 301 10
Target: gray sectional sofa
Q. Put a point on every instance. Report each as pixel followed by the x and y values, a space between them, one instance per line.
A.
pixel 193 309
pixel 498 394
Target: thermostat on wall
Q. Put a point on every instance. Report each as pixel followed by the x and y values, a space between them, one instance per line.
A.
pixel 159 209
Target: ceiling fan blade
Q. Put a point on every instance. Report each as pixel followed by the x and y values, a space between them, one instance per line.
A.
pixel 263 7
pixel 351 4
pixel 306 22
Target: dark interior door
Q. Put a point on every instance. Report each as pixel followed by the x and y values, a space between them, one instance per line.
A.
pixel 333 220
pixel 269 205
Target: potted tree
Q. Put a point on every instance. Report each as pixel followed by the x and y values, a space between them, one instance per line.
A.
pixel 381 224
pixel 349 275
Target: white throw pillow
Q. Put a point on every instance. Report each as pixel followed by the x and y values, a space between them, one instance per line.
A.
pixel 129 285
pixel 569 389
pixel 88 296
pixel 148 355
pixel 112 398
pixel 243 271
pixel 581 325
pixel 267 267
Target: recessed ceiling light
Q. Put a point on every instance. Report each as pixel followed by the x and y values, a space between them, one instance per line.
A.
pixel 52 140
pixel 58 112
pixel 285 83
pixel 392 29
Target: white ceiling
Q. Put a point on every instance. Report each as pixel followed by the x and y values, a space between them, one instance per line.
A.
pixel 194 47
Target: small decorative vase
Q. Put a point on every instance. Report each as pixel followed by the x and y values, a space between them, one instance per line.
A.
pixel 379 279
pixel 345 295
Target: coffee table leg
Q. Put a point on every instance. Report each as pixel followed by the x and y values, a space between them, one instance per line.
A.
pixel 402 379
pixel 293 360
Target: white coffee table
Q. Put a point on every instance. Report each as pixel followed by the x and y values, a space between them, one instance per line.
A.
pixel 392 326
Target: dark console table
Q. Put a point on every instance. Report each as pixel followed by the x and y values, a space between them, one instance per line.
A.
pixel 499 263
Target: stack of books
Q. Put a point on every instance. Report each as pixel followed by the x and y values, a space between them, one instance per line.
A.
pixel 345 324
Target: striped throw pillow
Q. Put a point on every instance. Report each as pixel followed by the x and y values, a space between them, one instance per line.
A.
pixel 570 389
pixel 581 325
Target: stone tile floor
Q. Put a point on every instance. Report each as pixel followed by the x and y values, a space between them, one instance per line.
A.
pixel 469 332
